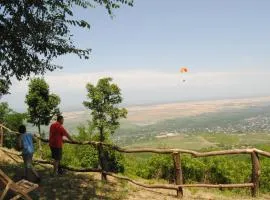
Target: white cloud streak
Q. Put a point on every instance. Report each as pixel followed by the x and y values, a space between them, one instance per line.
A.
pixel 145 86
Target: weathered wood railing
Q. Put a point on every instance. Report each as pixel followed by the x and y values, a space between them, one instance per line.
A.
pixel 176 155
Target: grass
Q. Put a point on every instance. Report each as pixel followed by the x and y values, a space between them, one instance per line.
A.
pixel 88 186
pixel 183 142
pixel 205 140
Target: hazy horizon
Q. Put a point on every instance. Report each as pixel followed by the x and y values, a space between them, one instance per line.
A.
pixel 74 108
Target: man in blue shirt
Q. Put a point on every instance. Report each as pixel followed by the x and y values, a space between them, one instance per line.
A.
pixel 27 147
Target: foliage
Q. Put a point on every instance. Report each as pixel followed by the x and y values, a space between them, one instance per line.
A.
pixel 88 155
pixel 4 110
pixel 12 120
pixel 228 169
pixel 33 33
pixel 215 170
pixel 105 117
pixel 115 160
pixel 103 101
pixel 193 169
pixel 157 167
pixel 4 87
pixel 42 105
pixel 264 176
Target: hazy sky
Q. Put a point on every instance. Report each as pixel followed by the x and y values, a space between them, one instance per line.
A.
pixel 224 43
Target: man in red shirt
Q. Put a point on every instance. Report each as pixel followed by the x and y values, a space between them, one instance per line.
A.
pixel 57 132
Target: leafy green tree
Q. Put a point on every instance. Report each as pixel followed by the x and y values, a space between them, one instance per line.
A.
pixel 105 113
pixel 4 110
pixel 42 105
pixel 34 32
pixel 4 87
pixel 12 120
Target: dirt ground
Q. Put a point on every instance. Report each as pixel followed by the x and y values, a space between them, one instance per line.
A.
pixel 86 186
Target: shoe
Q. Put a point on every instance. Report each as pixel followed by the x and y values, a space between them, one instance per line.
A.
pixel 61 171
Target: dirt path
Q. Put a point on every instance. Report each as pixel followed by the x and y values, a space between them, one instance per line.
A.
pixel 206 142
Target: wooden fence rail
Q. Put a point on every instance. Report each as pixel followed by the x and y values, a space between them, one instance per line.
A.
pixel 176 155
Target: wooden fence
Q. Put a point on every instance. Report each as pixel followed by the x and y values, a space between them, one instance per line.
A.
pixel 176 156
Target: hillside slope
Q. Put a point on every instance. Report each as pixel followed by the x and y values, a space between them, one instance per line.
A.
pixel 88 186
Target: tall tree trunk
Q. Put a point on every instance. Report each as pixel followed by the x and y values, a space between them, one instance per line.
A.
pixel 101 155
pixel 39 142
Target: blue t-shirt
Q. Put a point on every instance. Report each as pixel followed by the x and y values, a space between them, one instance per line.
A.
pixel 27 142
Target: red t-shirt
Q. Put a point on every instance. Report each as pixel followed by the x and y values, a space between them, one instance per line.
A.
pixel 57 131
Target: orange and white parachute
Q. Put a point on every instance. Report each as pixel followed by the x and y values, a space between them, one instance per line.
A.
pixel 183 70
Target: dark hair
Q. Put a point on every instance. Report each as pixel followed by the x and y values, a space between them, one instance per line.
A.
pixel 59 118
pixel 22 129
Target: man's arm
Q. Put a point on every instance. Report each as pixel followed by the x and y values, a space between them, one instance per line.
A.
pixel 65 133
pixel 19 145
pixel 70 138
pixel 34 138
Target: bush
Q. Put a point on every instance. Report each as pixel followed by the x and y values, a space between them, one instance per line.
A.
pixel 264 177
pixel 193 169
pixel 228 169
pixel 158 166
pixel 87 156
pixel 115 160
pixel 215 170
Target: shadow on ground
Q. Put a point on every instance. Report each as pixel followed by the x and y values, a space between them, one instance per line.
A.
pixel 68 186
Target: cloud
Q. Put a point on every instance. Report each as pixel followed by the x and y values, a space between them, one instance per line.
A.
pixel 146 86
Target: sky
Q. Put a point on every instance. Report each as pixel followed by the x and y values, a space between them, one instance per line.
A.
pixel 225 44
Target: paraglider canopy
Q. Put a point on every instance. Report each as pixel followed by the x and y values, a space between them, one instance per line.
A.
pixel 183 69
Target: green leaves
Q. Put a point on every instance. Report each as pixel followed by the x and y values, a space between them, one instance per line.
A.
pixel 103 101
pixel 4 87
pixel 33 33
pixel 214 170
pixel 12 120
pixel 4 110
pixel 80 23
pixel 42 105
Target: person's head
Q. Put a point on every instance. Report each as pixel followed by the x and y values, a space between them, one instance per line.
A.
pixel 60 119
pixel 22 129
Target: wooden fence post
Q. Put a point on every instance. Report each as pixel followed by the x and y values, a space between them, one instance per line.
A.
pixel 255 173
pixel 178 173
pixel 1 136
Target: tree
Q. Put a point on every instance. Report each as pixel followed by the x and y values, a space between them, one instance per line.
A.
pixel 105 113
pixel 4 87
pixel 12 120
pixel 9 117
pixel 4 110
pixel 42 105
pixel 34 32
